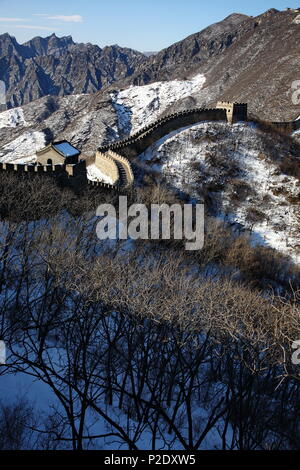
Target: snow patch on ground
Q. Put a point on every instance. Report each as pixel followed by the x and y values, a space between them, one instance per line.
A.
pixel 137 106
pixel 297 132
pixel 12 118
pixel 272 192
pixel 297 19
pixel 94 174
pixel 23 149
pixel 280 227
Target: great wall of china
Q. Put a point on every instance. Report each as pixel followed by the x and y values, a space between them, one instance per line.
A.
pixel 70 170
pixel 113 160
pixel 123 150
pixel 136 144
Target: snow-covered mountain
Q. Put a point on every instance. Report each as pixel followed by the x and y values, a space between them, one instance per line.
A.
pixel 138 106
pixel 81 119
pixel 243 58
pixel 59 66
pixel 88 121
pixel 239 167
pixel 110 315
pixel 12 118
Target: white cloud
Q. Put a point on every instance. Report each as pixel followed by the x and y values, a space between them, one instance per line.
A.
pixel 67 19
pixel 11 20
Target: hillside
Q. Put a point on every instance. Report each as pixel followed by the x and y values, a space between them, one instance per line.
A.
pixel 219 163
pixel 58 66
pixel 92 120
pixel 239 172
pixel 244 59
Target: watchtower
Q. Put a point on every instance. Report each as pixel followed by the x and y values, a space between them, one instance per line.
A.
pixel 58 153
pixel 234 111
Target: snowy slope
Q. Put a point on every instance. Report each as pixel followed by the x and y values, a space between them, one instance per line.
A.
pixel 12 118
pixel 137 106
pixel 23 148
pixel 193 158
pixel 297 19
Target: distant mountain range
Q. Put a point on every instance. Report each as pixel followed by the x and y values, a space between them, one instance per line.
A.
pixel 149 53
pixel 58 66
pixel 243 58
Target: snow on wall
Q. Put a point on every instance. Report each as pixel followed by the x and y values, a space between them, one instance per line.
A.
pixel 137 106
pixel 94 174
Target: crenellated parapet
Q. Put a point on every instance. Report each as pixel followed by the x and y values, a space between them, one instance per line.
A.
pixel 234 111
pixel 69 169
pixel 27 168
pixel 138 142
pixel 101 184
pixel 113 160
pixel 124 150
pixel 124 165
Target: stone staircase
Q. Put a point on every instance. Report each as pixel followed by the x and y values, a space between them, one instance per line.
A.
pixel 122 175
pixel 116 167
pixel 126 176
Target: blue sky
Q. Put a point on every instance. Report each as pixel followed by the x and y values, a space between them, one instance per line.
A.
pixel 139 24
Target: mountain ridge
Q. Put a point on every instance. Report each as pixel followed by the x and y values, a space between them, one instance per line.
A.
pixel 243 58
pixel 59 66
pixel 254 61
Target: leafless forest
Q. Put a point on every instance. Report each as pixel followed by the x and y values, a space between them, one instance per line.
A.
pixel 149 347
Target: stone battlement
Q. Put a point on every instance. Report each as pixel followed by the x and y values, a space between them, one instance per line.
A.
pixel 69 170
pixel 138 142
pixel 234 111
pixel 113 159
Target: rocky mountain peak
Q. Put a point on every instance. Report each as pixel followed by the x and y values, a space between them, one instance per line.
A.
pixel 59 66
pixel 8 45
pixel 243 58
pixel 50 45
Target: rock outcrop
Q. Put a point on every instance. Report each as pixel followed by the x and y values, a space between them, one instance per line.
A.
pixel 58 66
